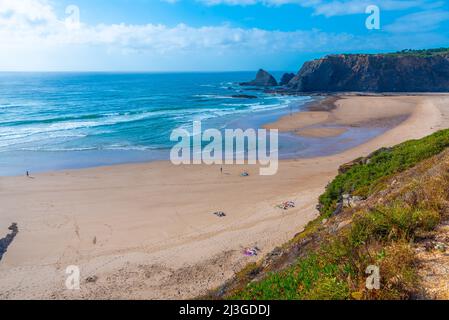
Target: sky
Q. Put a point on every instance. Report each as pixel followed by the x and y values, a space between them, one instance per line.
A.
pixel 208 35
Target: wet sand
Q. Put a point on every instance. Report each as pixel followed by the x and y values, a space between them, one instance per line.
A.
pixel 325 121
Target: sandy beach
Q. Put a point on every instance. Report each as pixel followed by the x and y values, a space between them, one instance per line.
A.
pixel 147 231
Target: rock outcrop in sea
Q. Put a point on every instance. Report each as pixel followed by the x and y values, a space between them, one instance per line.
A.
pixel 407 72
pixel 243 96
pixel 286 78
pixel 263 79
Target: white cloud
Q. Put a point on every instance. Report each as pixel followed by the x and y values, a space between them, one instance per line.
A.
pixel 30 23
pixel 34 37
pixel 336 8
pixel 424 21
pixel 26 11
pixel 330 8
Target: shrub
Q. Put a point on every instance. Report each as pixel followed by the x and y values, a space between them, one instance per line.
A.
pixel 380 237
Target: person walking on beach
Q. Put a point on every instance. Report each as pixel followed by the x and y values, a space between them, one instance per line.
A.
pixel 221 169
pixel 28 174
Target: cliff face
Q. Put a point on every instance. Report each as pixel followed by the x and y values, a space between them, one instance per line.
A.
pixel 286 78
pixel 373 73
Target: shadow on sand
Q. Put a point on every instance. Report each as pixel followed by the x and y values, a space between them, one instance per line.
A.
pixel 6 241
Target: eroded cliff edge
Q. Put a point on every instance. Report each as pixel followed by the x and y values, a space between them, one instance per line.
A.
pixel 399 72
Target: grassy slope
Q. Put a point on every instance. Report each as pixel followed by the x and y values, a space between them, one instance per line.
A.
pixel 363 180
pixel 401 208
pixel 422 53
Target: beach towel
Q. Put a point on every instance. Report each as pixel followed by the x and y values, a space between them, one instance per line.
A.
pixel 286 205
pixel 251 252
pixel 220 214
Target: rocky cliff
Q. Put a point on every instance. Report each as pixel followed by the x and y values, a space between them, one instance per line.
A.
pixel 286 78
pixel 374 73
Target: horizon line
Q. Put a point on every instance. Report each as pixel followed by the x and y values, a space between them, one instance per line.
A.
pixel 134 71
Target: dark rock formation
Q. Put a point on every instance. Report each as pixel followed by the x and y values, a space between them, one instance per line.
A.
pixel 244 96
pixel 374 73
pixel 286 78
pixel 263 79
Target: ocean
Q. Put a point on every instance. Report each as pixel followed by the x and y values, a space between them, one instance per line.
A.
pixel 52 121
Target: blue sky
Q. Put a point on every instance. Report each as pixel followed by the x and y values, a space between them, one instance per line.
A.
pixel 207 35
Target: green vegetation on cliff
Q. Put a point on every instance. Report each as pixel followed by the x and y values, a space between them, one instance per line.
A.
pixel 337 269
pixel 407 197
pixel 368 176
pixel 421 53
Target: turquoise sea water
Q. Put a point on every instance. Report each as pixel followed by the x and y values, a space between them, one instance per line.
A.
pixel 54 121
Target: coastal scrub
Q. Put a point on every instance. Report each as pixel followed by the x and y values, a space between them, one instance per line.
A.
pixel 407 198
pixel 368 176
